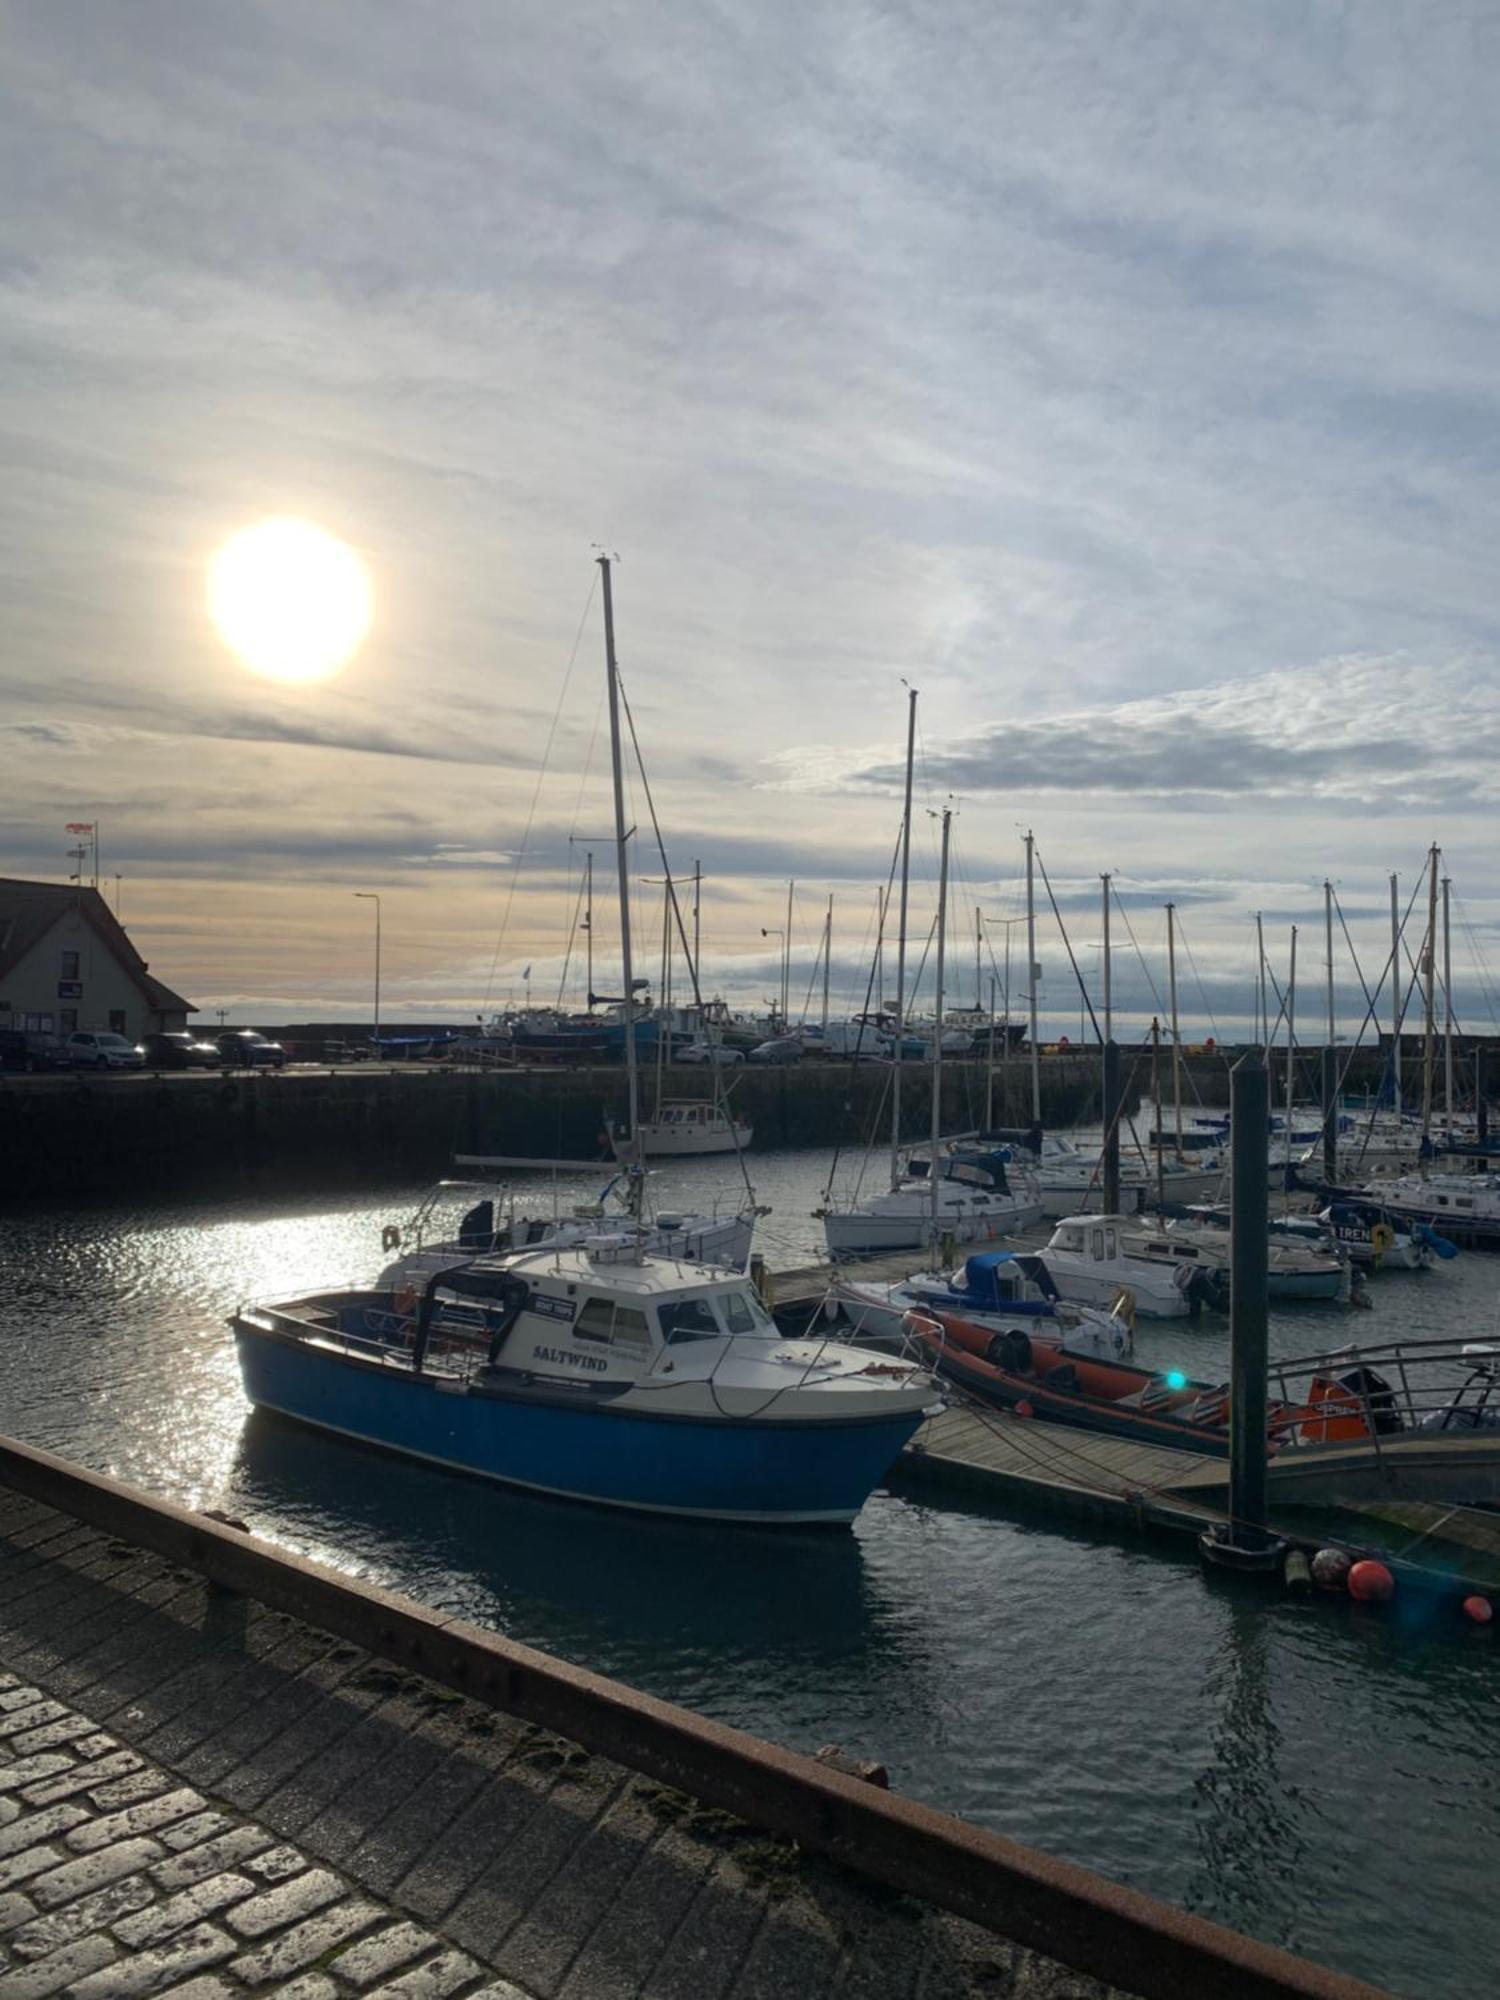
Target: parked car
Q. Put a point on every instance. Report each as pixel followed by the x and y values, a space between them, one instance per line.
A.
pixel 178 1049
pixel 701 1052
pixel 245 1048
pixel 90 1048
pixel 45 1051
pixel 13 1051
pixel 780 1049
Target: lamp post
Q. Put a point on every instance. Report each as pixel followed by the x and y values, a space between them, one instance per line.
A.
pixel 783 937
pixel 371 896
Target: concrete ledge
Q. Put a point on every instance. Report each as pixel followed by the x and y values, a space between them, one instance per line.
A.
pixel 1117 1934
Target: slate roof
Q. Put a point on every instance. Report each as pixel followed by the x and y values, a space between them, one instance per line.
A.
pixel 28 910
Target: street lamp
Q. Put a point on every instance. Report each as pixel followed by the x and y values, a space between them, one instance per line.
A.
pixel 371 896
pixel 785 971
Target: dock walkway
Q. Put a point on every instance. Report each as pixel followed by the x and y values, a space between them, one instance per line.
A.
pixel 225 1771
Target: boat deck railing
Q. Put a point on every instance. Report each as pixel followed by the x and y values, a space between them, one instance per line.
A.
pixel 1388 1391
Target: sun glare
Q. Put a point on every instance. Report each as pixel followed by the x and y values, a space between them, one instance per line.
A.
pixel 292 601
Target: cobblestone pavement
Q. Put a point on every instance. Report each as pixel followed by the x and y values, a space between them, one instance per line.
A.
pixel 202 1797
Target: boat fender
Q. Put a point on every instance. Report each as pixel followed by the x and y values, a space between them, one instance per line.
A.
pixel 1330 1569
pixel 1371 1582
pixel 390 1237
pixel 1478 1610
pixel 1297 1572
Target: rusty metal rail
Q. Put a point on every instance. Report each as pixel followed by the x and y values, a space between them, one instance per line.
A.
pixel 1117 1934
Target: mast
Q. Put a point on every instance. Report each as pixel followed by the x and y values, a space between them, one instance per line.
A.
pixel 664 994
pixel 697 942
pixel 1291 1040
pixel 1108 1011
pixel 989 1067
pixel 1328 945
pixel 880 951
pixel 1395 1002
pixel 1447 1014
pixel 1429 996
pixel 978 954
pixel 1260 978
pixel 900 1021
pixel 622 868
pixel 1176 1036
pixel 937 1040
pixel 1036 1054
pixel 588 921
pixel 827 963
pixel 786 965
pixel 1161 1182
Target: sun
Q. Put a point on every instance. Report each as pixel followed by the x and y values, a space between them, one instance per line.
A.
pixel 290 599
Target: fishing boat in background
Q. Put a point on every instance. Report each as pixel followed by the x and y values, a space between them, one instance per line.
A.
pixel 688 1128
pixel 1090 1258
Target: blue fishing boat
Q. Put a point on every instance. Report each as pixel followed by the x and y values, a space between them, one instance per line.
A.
pixel 594 1373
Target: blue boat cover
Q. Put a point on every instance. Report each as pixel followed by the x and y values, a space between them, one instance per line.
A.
pixel 982 1272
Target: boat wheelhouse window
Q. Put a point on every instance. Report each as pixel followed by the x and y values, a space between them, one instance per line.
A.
pixel 688 1319
pixel 1069 1239
pixel 595 1319
pixel 1096 1242
pixel 744 1313
pixel 630 1328
pixel 1111 1244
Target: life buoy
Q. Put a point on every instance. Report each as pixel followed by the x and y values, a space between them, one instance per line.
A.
pixel 390 1237
pixel 1382 1238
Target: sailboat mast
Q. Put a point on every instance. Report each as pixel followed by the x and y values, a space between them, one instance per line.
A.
pixel 1260 979
pixel 622 869
pixel 1429 996
pixel 1291 1037
pixel 1109 1027
pixel 1328 947
pixel 1176 1036
pixel 1447 1014
pixel 786 964
pixel 697 933
pixel 588 922
pixel 1036 1054
pixel 827 964
pixel 1395 1002
pixel 900 1021
pixel 937 1039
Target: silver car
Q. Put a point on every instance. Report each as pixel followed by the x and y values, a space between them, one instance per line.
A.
pixel 88 1048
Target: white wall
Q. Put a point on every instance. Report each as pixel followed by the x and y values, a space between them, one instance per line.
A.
pixel 30 988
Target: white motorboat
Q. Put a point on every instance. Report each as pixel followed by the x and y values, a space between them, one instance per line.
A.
pixel 1296 1268
pixel 683 1128
pixel 1460 1206
pixel 449 1226
pixel 973 1201
pixel 1091 1258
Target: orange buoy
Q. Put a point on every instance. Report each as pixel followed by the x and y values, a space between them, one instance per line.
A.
pixel 1024 1409
pixel 1478 1610
pixel 1371 1583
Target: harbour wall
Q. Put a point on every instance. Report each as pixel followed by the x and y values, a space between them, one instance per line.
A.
pixel 76 1137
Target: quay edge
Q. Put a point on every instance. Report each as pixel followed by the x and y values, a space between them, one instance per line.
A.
pixel 1133 1942
pixel 75 1136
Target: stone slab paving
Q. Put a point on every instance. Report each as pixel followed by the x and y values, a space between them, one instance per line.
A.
pixel 204 1798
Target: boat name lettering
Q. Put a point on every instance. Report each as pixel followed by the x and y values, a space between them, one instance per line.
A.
pixel 559 1357
pixel 549 1308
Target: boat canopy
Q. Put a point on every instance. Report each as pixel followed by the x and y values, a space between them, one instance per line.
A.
pixel 984 1271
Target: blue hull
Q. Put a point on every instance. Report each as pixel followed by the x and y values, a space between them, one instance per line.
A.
pixel 750 1471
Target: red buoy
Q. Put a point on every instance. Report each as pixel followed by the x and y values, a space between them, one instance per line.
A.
pixel 1024 1409
pixel 1371 1583
pixel 1478 1610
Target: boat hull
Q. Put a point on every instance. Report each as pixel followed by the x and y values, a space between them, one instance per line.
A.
pixel 852 1234
pixel 753 1470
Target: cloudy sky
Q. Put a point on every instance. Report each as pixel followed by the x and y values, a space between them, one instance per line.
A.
pixel 1123 378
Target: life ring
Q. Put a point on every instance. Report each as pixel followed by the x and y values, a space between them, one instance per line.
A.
pixel 390 1237
pixel 405 1300
pixel 1382 1238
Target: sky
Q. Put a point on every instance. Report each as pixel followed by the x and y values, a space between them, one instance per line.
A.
pixel 1121 378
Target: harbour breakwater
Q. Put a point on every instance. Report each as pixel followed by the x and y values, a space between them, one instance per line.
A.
pixel 75 1137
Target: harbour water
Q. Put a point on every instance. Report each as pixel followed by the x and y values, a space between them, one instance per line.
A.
pixel 1315 1774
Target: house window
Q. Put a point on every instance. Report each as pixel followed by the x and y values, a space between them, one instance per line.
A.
pixel 69 965
pixel 69 1018
pixel 117 1020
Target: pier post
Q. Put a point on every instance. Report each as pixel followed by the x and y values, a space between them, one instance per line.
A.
pixel 1111 1127
pixel 1330 1117
pixel 1249 1118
